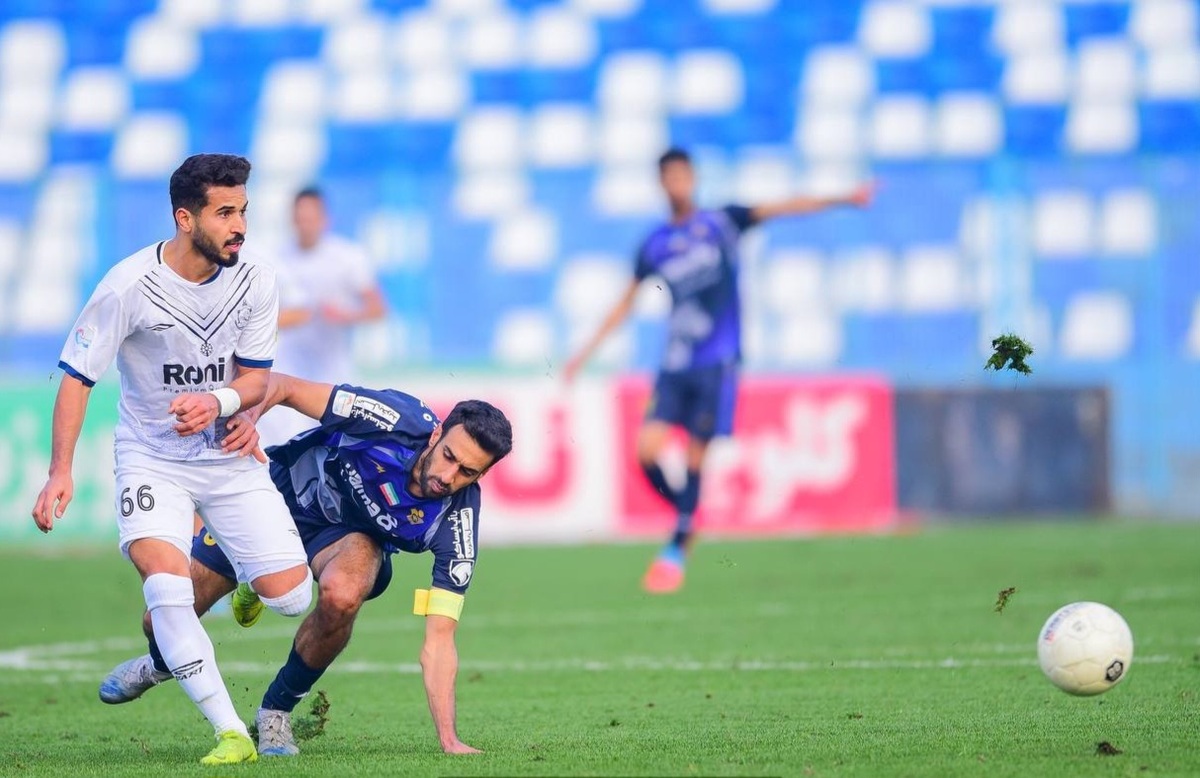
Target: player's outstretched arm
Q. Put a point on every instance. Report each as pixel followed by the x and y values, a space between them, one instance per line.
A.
pixel 859 197
pixel 70 406
pixel 439 665
pixel 614 319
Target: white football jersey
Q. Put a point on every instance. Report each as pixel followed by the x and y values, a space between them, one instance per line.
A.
pixel 337 272
pixel 171 336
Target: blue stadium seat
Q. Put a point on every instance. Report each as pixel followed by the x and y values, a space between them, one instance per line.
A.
pixel 914 344
pixel 1034 130
pixel 963 30
pixel 358 148
pixel 1169 126
pixel 1095 19
pixel 903 75
pixel 497 86
pixel 96 43
pixel 977 72
pixel 553 86
pixel 158 95
pixel 68 147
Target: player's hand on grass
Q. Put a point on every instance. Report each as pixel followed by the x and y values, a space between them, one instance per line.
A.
pixel 242 438
pixel 195 412
pixel 52 501
pixel 459 747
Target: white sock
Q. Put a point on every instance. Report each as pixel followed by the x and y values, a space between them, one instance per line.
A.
pixel 187 650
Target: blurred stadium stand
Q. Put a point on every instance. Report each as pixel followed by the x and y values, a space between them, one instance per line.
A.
pixel 1039 166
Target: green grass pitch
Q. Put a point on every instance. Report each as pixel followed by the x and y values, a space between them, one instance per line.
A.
pixel 863 656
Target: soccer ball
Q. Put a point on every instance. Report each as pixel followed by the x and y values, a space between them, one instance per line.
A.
pixel 1085 648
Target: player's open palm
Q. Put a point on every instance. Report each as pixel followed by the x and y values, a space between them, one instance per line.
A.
pixel 52 501
pixel 195 412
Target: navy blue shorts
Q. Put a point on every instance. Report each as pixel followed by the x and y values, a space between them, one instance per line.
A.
pixel 700 400
pixel 316 534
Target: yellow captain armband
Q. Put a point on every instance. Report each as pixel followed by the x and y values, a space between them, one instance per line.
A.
pixel 437 602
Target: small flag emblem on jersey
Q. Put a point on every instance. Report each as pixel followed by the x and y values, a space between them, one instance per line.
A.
pixel 389 495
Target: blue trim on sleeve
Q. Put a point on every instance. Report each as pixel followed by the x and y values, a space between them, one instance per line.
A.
pixel 76 374
pixel 253 362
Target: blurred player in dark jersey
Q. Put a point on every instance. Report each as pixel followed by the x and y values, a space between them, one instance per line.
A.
pixel 696 254
pixel 380 474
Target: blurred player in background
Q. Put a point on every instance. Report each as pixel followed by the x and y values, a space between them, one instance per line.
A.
pixel 696 254
pixel 327 287
pixel 380 474
pixel 193 333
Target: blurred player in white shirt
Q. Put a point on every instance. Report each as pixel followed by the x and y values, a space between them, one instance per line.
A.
pixel 193 333
pixel 327 287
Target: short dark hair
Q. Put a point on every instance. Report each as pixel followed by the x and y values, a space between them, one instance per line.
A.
pixel 309 191
pixel 190 182
pixel 673 154
pixel 485 423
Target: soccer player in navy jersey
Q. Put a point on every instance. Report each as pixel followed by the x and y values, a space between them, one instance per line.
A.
pixel 696 254
pixel 380 474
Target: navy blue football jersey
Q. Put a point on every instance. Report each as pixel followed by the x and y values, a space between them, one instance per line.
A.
pixel 354 469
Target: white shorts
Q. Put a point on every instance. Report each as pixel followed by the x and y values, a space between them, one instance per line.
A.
pixel 157 498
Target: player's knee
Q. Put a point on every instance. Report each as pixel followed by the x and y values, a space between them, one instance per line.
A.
pixel 340 597
pixel 166 590
pixel 294 602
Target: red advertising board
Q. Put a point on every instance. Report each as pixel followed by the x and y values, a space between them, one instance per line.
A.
pixel 807 455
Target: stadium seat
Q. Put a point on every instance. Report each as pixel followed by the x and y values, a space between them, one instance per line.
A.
pixel 890 29
pixel 1102 126
pixel 525 337
pixel 1097 326
pixel 1092 20
pixel 1034 130
pixel 1129 223
pixel 525 240
pixel 1170 126
pixel 1172 73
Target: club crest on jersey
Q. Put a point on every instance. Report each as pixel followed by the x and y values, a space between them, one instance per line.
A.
pixel 84 336
pixel 460 571
pixel 416 516
pixel 242 317
pixel 206 348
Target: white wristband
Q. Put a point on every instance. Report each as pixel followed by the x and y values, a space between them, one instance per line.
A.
pixel 228 400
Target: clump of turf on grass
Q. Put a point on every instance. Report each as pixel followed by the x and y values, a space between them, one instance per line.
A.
pixel 1010 351
pixel 313 725
pixel 1002 598
pixel 1104 748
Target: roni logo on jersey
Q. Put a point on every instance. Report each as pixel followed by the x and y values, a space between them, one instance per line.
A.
pixel 194 375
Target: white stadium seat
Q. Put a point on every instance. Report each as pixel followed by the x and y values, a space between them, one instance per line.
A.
pixel 524 240
pixel 422 39
pixel 94 98
pixel 794 279
pixel 1106 68
pixel 1129 223
pixel 190 14
pixel 895 28
pixel 809 338
pixel 1097 326
pixel 150 145
pixel 1063 223
pixel 159 48
pixel 633 82
pixel 607 9
pixel 490 137
pixel 830 133
pixel 931 279
pixel 261 13
pixel 493 41
pixel 284 147
pixel 26 152
pixel 738 7
pixel 968 124
pixel 32 48
pixel 1172 73
pixel 864 279
pixel 627 191
pixel 1028 26
pixel 707 81
pixel 837 76
pixel 1102 127
pixel 525 337
pixel 26 105
pixel 632 139
pixel 489 194
pixel 294 90
pixel 762 174
pixel 900 127
pixel 560 38
pixel 365 95
pixel 590 284
pixel 328 11
pixel 439 93
pixel 561 135
pixel 1159 23
pixel 1037 77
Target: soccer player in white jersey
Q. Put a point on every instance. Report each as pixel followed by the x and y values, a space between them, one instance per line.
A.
pixel 327 287
pixel 193 333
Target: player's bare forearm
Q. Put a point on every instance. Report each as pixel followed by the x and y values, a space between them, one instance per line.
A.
pixel 251 384
pixel 439 666
pixel 615 318
pixel 70 407
pixel 859 197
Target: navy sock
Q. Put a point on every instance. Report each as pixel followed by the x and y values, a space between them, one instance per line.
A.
pixel 689 498
pixel 295 679
pixel 654 475
pixel 160 664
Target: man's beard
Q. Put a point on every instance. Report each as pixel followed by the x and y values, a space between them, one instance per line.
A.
pixel 208 249
pixel 423 479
